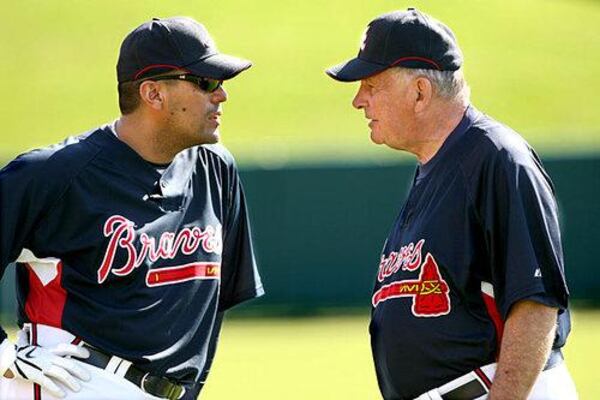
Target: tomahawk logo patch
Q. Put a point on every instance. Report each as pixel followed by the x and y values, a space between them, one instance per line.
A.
pixel 429 293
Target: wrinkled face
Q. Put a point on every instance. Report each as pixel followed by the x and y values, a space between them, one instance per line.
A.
pixel 388 103
pixel 193 116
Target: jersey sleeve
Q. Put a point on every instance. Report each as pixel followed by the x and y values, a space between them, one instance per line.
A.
pixel 521 228
pixel 240 280
pixel 24 198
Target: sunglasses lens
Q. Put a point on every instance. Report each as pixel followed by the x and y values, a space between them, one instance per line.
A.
pixel 209 85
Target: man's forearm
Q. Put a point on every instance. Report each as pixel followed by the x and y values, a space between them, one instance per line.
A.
pixel 526 343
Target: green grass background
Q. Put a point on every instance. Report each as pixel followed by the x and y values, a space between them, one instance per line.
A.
pixel 330 358
pixel 322 358
pixel 532 64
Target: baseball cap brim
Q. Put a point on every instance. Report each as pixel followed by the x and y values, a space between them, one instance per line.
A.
pixel 219 66
pixel 354 70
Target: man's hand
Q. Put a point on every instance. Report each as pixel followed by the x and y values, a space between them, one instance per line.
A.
pixel 49 366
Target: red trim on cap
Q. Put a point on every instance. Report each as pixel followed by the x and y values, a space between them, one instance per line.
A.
pixel 427 60
pixel 154 66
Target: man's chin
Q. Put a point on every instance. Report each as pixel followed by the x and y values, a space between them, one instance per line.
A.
pixel 211 137
pixel 375 138
pixel 216 137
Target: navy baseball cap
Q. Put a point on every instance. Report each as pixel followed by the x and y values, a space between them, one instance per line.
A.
pixel 181 43
pixel 409 39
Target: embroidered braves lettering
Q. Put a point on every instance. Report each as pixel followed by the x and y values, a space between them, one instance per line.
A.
pixel 408 258
pixel 121 232
pixel 430 293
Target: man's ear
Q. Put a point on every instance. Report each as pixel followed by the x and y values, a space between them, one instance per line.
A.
pixel 152 94
pixel 424 94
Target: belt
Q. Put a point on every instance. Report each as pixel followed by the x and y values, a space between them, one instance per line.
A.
pixel 155 385
pixel 477 383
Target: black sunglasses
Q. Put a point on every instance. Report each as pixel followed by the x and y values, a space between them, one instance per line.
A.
pixel 205 84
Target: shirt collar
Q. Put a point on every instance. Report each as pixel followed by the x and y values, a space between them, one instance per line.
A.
pixel 463 126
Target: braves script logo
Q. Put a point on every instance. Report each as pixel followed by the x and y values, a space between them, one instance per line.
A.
pixel 429 293
pixel 408 258
pixel 121 232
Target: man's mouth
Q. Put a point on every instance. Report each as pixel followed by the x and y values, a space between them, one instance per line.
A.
pixel 215 116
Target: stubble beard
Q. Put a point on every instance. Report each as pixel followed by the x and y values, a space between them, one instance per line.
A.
pixel 210 138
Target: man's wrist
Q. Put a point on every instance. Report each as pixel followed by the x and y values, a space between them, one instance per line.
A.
pixel 8 355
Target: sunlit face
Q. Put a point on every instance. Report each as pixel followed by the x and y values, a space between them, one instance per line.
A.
pixel 193 115
pixel 387 103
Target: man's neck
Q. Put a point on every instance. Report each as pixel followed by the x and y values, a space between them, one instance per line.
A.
pixel 435 129
pixel 144 138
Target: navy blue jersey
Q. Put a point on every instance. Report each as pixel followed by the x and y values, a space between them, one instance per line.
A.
pixel 478 232
pixel 138 263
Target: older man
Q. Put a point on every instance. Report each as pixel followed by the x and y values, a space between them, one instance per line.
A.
pixel 470 300
pixel 132 239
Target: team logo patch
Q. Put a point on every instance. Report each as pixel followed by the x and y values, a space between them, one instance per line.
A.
pixel 121 233
pixel 430 293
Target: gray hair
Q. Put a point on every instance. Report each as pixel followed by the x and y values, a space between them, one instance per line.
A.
pixel 449 85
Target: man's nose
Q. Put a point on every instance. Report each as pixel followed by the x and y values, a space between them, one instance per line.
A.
pixel 219 95
pixel 359 100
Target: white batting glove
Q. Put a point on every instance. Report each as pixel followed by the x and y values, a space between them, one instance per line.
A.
pixel 49 366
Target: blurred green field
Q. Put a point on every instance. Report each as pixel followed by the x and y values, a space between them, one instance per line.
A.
pixel 330 358
pixel 325 358
pixel 534 65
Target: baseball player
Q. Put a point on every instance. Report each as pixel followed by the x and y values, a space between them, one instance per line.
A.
pixel 132 239
pixel 470 299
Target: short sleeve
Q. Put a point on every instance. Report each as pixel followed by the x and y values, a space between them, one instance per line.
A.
pixel 240 278
pixel 23 201
pixel 521 226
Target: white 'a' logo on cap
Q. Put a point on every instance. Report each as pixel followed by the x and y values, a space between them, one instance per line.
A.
pixel 363 39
